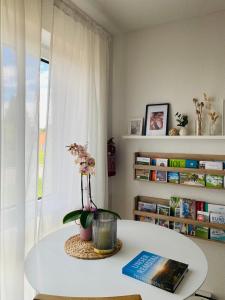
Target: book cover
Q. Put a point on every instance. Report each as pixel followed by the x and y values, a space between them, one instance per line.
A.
pixel 163 210
pixel 192 179
pixel 202 231
pixel 142 174
pixel 191 229
pixel 211 165
pixel 173 177
pixel 145 206
pixel 147 219
pixel 177 226
pixel 214 181
pixel 190 163
pixel 216 208
pixel 188 208
pixel 174 203
pixel 156 270
pixel 161 176
pixel 153 175
pixel 217 218
pixel 162 162
pixel 177 163
pixel 143 160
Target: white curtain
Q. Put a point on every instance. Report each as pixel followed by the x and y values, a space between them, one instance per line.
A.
pixel 20 60
pixel 77 113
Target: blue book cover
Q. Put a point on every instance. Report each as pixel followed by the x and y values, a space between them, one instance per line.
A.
pixel 156 270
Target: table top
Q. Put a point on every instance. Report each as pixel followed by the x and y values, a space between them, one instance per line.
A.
pixel 50 270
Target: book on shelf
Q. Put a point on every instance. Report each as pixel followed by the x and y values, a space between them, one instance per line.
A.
pixel 146 206
pixel 191 163
pixel 192 179
pixel 177 226
pixel 142 174
pixel 216 208
pixel 162 162
pixel 191 229
pixel 202 231
pixel 188 208
pixel 156 270
pixel 143 160
pixel 153 175
pixel 174 203
pixel 177 163
pixel 214 181
pixel 173 177
pixel 211 165
pixel 217 218
pixel 201 206
pixel 161 176
pixel 163 210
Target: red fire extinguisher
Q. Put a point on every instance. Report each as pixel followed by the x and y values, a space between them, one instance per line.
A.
pixel 111 148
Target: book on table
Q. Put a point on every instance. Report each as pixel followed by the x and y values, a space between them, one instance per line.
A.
pixel 156 270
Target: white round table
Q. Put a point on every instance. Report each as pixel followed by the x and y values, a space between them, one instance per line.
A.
pixel 51 271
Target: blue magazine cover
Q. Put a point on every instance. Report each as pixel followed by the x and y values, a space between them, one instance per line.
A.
pixel 156 270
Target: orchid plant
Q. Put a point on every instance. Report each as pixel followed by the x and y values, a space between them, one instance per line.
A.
pixel 86 164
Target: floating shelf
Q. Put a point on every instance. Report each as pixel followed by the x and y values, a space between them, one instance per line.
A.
pixel 176 137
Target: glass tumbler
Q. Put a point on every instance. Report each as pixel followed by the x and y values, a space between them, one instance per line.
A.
pixel 104 233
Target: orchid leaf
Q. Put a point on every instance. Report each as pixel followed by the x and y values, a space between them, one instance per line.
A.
pixel 86 218
pixel 72 216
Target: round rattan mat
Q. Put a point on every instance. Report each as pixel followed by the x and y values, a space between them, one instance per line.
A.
pixel 75 247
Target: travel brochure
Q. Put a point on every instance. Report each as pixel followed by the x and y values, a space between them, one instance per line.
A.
pixel 186 178
pixel 189 209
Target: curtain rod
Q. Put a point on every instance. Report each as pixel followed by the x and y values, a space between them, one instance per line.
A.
pixel 72 10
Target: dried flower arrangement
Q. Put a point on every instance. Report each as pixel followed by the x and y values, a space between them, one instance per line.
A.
pixel 88 211
pixel 199 105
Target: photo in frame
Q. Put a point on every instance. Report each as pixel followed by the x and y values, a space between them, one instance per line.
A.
pixel 156 119
pixel 135 126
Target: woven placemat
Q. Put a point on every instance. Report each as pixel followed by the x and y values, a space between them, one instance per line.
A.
pixel 75 247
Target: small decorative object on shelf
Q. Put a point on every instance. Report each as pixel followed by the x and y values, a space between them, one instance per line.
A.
pixel 213 117
pixel 88 211
pixel 173 132
pixel 135 126
pixel 199 113
pixel 182 121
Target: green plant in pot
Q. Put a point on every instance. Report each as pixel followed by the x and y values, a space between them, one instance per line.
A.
pixel 88 211
pixel 182 121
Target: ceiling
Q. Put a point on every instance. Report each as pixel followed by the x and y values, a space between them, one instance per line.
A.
pixel 131 15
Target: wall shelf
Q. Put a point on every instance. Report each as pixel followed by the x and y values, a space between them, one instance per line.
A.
pixel 155 155
pixel 177 137
pixel 138 213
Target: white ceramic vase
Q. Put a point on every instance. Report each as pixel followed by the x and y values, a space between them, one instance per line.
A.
pixel 183 131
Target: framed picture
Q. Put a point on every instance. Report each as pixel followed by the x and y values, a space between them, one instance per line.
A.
pixel 135 126
pixel 156 119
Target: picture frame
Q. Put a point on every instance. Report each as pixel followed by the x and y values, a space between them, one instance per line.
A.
pixel 156 119
pixel 135 126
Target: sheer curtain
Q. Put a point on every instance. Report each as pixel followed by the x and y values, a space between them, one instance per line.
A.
pixel 20 60
pixel 77 112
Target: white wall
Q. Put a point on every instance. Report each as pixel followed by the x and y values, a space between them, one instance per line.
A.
pixel 168 63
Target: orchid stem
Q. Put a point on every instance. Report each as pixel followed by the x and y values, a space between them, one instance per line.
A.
pixel 82 191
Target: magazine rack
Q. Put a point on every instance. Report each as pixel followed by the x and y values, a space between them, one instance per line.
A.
pixel 204 157
pixel 138 213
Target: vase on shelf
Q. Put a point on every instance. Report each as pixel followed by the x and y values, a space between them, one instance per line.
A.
pixel 104 233
pixel 183 131
pixel 212 128
pixel 198 127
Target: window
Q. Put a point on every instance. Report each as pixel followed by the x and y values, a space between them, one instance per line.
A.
pixel 43 108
